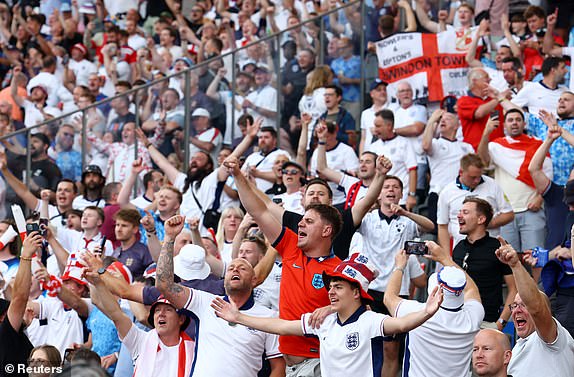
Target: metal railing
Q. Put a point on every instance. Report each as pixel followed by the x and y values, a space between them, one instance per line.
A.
pixel 275 56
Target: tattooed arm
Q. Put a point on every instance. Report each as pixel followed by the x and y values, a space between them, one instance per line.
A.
pixel 177 294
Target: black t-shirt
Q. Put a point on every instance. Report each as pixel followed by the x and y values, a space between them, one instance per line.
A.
pixel 486 271
pixel 15 347
pixel 341 243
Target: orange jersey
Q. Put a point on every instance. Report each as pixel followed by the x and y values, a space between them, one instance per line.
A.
pixel 302 291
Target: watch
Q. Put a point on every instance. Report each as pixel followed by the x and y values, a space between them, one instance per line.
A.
pixel 502 322
pixel 101 270
pixel 412 193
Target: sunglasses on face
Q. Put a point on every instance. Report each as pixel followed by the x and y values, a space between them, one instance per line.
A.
pixel 290 171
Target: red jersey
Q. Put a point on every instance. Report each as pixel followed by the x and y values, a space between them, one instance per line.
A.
pixel 302 291
pixel 472 128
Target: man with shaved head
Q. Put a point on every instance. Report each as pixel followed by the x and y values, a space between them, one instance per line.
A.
pixel 491 353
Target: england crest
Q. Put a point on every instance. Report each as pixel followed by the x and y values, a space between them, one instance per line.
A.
pixel 352 341
pixel 318 281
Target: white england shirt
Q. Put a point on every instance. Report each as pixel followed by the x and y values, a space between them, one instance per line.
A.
pixel 531 356
pixel 442 346
pixel 444 161
pixel 222 349
pixel 346 348
pixel 342 158
pixel 382 240
pixel 403 157
pixel 451 198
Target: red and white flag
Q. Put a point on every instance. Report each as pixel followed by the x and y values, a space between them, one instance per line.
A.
pixel 434 64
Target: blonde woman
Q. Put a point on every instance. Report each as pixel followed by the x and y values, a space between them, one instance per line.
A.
pixel 313 100
pixel 226 230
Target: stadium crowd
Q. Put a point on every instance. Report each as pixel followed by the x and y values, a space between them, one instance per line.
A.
pixel 323 225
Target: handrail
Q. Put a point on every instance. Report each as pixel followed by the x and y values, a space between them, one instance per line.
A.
pixel 167 78
pixel 186 75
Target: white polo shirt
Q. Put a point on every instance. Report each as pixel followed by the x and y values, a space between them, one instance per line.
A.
pixel 408 116
pixel 263 163
pixel 267 293
pixel 64 326
pixel 346 348
pixel 538 96
pixel 531 356
pixel 382 240
pixel 403 157
pixel 343 158
pixel 222 349
pixel 444 161
pixel 451 198
pixel 442 346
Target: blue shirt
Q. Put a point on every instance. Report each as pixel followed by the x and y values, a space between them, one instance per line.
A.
pixel 105 339
pixel 136 258
pixel 561 153
pixel 70 164
pixel 350 68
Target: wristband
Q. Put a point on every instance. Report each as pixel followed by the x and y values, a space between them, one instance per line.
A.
pixel 399 269
pixel 26 258
pixel 322 142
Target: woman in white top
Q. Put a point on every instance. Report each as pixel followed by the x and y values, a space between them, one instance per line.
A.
pixel 313 100
pixel 226 230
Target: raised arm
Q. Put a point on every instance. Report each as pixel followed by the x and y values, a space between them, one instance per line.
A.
pixel 59 251
pixel 430 129
pixel 23 280
pixel 128 184
pixel 360 209
pixel 535 301
pixel 548 42
pixel 160 160
pixel 411 25
pixel 471 52
pixel 322 168
pixel 177 294
pixel 514 47
pixel 535 168
pixel 482 151
pixel 256 207
pixel 442 255
pixel 229 312
pixel 16 72
pixel 68 297
pixel 116 285
pixel 301 157
pixel 108 304
pixel 423 17
pixel 17 185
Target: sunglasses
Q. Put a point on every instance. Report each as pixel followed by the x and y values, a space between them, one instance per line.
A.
pixel 290 171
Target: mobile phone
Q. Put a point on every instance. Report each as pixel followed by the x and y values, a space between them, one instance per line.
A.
pixel 103 243
pixel 494 115
pixel 277 200
pixel 416 248
pixel 32 227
